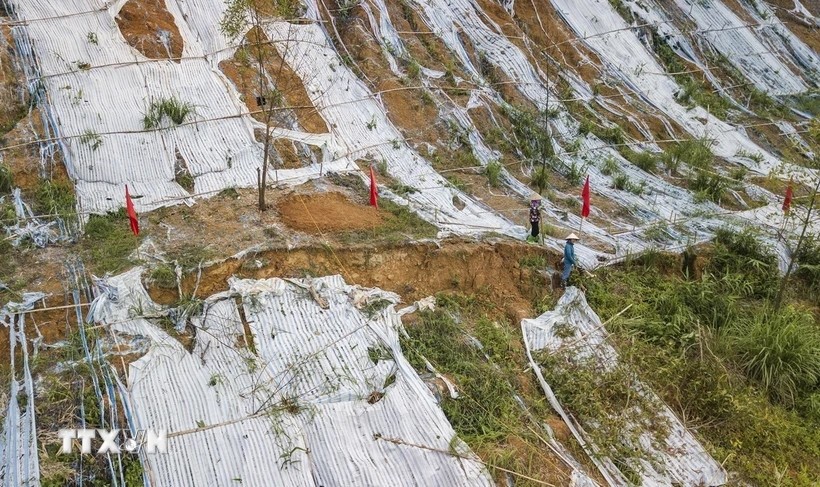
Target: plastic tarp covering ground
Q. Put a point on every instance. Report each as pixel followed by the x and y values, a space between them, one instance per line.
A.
pixel 298 383
pixel 19 465
pixel 103 88
pixel 682 460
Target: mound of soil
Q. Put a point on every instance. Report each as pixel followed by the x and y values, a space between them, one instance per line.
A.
pixel 326 212
pixel 145 24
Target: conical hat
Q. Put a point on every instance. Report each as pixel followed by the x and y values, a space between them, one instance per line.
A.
pixel 572 236
pixel 535 197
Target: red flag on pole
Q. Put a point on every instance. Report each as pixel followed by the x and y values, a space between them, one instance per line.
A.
pixel 374 192
pixel 585 196
pixel 787 202
pixel 132 215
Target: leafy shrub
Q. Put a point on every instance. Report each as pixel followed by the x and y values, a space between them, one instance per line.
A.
pixel 708 186
pixel 164 276
pixel 808 263
pixel 742 253
pixel 540 178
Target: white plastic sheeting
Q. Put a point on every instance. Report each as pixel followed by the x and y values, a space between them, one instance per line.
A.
pixel 105 88
pixel 682 460
pixel 19 464
pixel 361 129
pixel 300 405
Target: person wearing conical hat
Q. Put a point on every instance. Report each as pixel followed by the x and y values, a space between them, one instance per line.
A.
pixel 535 217
pixel 569 258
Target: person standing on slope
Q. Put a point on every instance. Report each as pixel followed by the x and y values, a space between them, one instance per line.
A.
pixel 535 217
pixel 569 258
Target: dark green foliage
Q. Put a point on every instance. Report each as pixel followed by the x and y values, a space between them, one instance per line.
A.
pixel 808 265
pixel 164 276
pixel 493 172
pixel 741 253
pixel 695 91
pixel 708 186
pixel 540 178
pixel 693 153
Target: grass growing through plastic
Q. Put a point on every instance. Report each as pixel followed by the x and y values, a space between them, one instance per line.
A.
pixel 175 110
pixel 706 338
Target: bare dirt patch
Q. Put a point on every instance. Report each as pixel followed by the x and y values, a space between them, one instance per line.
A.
pixel 149 28
pixel 290 90
pixel 319 213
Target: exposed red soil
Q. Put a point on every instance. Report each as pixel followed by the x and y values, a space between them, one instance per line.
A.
pixel 326 212
pixel 142 21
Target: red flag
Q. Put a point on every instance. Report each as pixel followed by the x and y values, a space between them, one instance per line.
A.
pixel 787 202
pixel 132 215
pixel 585 196
pixel 374 193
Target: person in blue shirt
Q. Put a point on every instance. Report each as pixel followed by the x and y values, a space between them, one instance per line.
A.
pixel 569 257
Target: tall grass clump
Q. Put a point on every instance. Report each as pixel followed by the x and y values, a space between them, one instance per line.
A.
pixel 175 110
pixel 55 198
pixel 781 352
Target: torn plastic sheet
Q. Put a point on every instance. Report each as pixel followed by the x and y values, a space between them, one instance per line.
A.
pixel 330 382
pixel 683 460
pixel 29 228
pixel 18 441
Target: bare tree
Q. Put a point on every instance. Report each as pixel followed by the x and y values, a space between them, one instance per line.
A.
pixel 246 17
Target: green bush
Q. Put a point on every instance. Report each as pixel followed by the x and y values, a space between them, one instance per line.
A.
pixel 708 186
pixel 164 276
pixel 493 172
pixel 540 178
pixel 808 264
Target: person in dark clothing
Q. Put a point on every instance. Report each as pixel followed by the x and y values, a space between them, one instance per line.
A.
pixel 535 217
